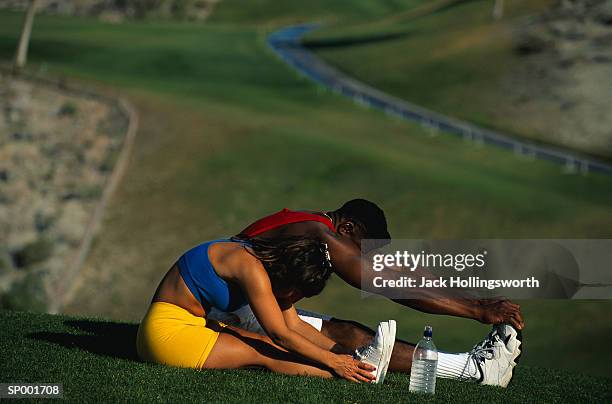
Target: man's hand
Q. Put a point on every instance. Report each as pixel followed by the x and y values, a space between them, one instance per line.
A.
pixel 500 310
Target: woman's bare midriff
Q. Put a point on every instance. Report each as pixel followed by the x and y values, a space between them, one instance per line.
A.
pixel 173 289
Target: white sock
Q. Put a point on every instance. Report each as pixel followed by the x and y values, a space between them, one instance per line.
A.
pixel 456 366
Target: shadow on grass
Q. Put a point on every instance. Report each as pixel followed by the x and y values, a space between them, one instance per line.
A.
pixel 352 41
pixel 101 338
pixel 118 340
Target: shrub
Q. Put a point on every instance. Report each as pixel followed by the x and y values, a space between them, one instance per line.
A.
pixel 33 253
pixel 28 294
pixel 67 109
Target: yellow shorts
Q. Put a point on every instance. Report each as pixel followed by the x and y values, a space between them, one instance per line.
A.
pixel 170 335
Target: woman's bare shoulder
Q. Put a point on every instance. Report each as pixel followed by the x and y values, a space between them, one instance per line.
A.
pixel 231 260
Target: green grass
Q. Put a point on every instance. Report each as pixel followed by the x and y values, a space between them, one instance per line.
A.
pixel 559 334
pixel 456 60
pixel 95 360
pixel 229 133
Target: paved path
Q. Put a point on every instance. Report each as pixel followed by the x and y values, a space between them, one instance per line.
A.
pixel 286 44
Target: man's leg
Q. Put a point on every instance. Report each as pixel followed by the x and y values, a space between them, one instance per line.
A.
pixel 353 335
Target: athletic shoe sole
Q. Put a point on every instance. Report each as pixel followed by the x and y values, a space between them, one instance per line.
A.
pixel 384 331
pixel 517 345
pixel 389 344
pixel 516 354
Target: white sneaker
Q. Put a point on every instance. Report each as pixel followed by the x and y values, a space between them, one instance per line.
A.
pixel 391 343
pixel 512 338
pixel 377 352
pixel 494 356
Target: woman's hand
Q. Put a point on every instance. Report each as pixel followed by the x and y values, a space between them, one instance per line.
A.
pixel 351 369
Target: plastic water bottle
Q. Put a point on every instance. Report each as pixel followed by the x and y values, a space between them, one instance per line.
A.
pixel 424 363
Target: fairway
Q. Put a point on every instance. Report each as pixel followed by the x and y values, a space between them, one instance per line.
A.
pixel 95 359
pixel 453 58
pixel 433 67
pixel 229 134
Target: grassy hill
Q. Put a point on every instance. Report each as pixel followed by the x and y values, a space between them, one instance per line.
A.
pixel 95 360
pixel 438 58
pixel 454 58
pixel 229 133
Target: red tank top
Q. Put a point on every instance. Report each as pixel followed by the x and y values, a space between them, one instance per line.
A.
pixel 283 217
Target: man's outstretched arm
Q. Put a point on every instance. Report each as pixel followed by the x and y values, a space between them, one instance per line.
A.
pixel 487 311
pixel 348 264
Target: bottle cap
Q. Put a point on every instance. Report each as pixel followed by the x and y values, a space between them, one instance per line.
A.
pixel 428 331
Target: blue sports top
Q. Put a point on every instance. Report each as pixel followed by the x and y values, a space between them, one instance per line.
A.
pixel 205 284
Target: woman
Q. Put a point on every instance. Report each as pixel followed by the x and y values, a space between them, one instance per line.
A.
pixel 270 275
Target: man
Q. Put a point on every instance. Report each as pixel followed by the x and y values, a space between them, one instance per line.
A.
pixel 342 230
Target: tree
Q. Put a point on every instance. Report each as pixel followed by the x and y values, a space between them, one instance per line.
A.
pixel 498 9
pixel 24 39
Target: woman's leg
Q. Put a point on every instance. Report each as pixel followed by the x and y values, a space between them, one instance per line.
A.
pixel 236 348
